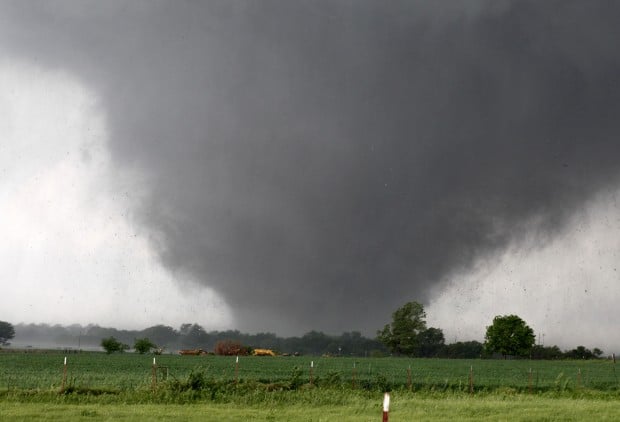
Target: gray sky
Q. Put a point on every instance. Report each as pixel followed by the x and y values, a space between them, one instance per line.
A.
pixel 283 166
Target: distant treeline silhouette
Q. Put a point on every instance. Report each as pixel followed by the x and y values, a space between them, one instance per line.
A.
pixel 190 336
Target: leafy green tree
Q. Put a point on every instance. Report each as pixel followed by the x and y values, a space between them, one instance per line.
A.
pixel 430 342
pixel 401 337
pixel 162 335
pixel 546 352
pixel 582 352
pixel 509 335
pixel 7 332
pixel 111 345
pixel 143 345
pixel 193 335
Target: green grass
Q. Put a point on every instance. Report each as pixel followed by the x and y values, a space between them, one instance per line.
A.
pixel 406 408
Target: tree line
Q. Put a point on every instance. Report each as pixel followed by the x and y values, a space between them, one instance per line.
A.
pixel 407 335
pixel 507 336
pixel 194 336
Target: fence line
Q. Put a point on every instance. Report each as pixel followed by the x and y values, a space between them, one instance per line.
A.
pixel 124 372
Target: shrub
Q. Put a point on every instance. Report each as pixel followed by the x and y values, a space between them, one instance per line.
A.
pixel 144 345
pixel 111 345
pixel 231 348
pixel 295 380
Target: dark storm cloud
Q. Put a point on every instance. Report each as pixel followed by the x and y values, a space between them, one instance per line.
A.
pixel 320 163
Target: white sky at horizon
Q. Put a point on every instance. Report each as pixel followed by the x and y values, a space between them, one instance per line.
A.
pixel 567 290
pixel 69 252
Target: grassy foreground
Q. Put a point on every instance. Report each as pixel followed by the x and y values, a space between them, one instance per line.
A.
pixel 121 387
pixel 518 407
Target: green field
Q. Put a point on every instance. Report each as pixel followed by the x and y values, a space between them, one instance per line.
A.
pixel 130 371
pixel 120 387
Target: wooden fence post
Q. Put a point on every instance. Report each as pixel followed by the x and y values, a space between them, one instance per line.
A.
pixel 237 370
pixel 154 375
pixel 64 376
pixel 409 377
pixel 613 356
